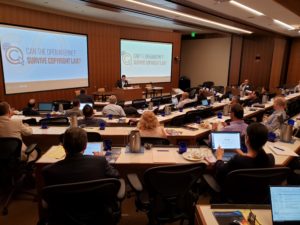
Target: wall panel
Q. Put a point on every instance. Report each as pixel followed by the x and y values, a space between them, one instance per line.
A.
pixel 293 75
pixel 235 60
pixel 103 45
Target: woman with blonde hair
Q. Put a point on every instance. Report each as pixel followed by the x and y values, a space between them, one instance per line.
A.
pixel 150 127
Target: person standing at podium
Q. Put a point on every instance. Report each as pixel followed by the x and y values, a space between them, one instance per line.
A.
pixel 123 82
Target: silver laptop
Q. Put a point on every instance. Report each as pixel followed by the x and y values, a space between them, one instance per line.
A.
pixel 285 204
pixel 81 106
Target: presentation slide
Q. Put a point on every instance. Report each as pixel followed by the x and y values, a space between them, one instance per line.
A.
pixel 39 60
pixel 146 62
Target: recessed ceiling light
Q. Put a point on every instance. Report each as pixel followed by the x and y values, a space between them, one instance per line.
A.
pixel 232 28
pixel 247 8
pixel 285 25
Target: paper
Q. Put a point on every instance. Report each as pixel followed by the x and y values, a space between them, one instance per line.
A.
pixel 163 156
pixel 282 150
pixel 56 152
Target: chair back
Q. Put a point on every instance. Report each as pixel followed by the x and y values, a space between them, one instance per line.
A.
pixel 89 202
pixel 65 103
pixel 251 186
pixel 156 100
pixel 30 121
pixel 172 192
pixel 178 121
pixel 10 157
pixel 155 141
pixel 93 137
pixel 166 99
pixel 55 121
pixel 191 116
pixel 139 103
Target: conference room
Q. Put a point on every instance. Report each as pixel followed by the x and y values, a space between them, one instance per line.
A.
pixel 137 112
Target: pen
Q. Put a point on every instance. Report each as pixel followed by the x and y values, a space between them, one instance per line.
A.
pixel 279 148
pixel 162 150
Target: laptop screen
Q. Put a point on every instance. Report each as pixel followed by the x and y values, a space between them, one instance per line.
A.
pixel 285 202
pixel 174 100
pixel 93 147
pixel 85 103
pixel 204 102
pixel 226 140
pixel 45 106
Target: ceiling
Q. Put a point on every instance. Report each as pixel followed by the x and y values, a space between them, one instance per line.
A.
pixel 182 16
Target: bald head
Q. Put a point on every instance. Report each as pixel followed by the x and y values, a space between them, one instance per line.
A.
pixel 31 102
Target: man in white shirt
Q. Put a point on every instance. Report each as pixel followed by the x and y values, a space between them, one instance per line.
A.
pixel 112 108
pixel 245 87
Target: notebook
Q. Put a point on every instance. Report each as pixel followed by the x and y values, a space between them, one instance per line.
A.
pixel 85 103
pixel 45 106
pixel 285 205
pixel 229 141
pixel 93 147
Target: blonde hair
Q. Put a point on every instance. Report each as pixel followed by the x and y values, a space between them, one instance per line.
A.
pixel 148 121
pixel 280 101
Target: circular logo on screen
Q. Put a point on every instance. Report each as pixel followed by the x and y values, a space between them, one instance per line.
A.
pixel 14 55
pixel 126 58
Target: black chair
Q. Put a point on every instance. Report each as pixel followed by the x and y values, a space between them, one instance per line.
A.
pixel 139 103
pixel 190 104
pixel 166 99
pixel 193 92
pixel 155 141
pixel 249 186
pixel 91 136
pixel 219 89
pixel 31 121
pixel 65 103
pixel 193 115
pixel 121 103
pixel 169 193
pixel 156 100
pixel 13 171
pixel 208 84
pixel 177 121
pixel 55 121
pixel 89 202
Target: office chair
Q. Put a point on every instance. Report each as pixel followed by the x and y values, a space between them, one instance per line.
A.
pixel 155 141
pixel 91 136
pixel 249 186
pixel 13 171
pixel 192 92
pixel 89 202
pixel 191 116
pixel 156 101
pixel 169 193
pixel 139 103
pixel 31 121
pixel 55 121
pixel 177 121
pixel 208 84
pixel 166 99
pixel 190 104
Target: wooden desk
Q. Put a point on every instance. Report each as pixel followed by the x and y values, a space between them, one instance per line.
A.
pixel 128 94
pixel 204 214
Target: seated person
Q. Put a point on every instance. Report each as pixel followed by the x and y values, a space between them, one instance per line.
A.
pixel 77 167
pixel 89 120
pixel 235 100
pixel 297 88
pixel 14 128
pixel 150 127
pixel 30 110
pixel 237 123
pixel 245 87
pixel 75 111
pixel 123 82
pixel 278 116
pixel 253 98
pixel 83 97
pixel 255 138
pixel 112 108
pixel 185 99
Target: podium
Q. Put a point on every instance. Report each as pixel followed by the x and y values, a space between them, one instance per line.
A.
pixel 128 94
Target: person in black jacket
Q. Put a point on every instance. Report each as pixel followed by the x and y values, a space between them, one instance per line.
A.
pixel 123 82
pixel 255 138
pixel 77 167
pixel 30 109
pixel 83 97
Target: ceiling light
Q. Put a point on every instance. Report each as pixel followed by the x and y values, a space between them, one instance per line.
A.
pixel 253 11
pixel 289 27
pixel 191 17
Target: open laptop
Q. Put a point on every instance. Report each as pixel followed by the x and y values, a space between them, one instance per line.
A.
pixel 204 102
pixel 93 147
pixel 175 101
pixel 45 107
pixel 285 204
pixel 81 106
pixel 229 141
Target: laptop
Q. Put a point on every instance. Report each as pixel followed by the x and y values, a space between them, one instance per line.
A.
pixel 81 106
pixel 204 102
pixel 229 141
pixel 285 205
pixel 45 107
pixel 93 147
pixel 174 101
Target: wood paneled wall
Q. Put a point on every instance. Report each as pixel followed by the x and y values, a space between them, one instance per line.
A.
pixel 103 46
pixel 293 75
pixel 235 60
